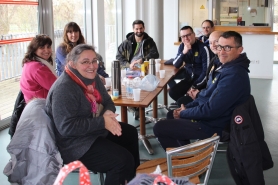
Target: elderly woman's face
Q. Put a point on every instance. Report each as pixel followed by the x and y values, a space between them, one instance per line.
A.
pixel 87 64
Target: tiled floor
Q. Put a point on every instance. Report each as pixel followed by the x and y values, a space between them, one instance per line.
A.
pixel 266 97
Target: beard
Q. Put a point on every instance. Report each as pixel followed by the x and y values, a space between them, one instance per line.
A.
pixel 139 34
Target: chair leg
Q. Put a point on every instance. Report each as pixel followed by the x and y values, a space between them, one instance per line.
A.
pixel 101 178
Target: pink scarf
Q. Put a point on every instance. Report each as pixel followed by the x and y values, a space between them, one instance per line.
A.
pixel 91 93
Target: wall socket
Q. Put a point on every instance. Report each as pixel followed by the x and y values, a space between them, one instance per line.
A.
pixel 254 61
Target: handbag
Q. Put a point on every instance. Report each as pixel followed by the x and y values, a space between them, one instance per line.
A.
pixel 163 178
pixel 84 175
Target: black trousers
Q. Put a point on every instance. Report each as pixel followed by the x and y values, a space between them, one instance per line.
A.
pixel 177 132
pixel 180 89
pixel 118 157
pixel 184 100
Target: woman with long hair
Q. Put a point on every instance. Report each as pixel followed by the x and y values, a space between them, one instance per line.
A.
pixel 38 74
pixel 72 36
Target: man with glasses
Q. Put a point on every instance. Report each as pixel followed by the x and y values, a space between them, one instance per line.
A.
pixel 207 27
pixel 196 56
pixel 193 92
pixel 228 86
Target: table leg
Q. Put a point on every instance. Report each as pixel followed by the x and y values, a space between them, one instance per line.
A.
pixel 155 107
pixel 142 135
pixel 165 95
pixel 124 114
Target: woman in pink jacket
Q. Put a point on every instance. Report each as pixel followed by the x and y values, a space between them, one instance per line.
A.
pixel 38 74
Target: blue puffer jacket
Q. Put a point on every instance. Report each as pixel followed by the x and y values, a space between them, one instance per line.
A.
pixel 228 87
pixel 197 60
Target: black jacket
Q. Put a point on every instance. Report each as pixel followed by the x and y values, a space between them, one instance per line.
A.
pixel 18 108
pixel 126 49
pixel 248 154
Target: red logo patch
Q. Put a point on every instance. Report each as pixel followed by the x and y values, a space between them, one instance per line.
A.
pixel 238 119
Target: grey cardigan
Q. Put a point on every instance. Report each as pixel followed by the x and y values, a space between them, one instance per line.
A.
pixel 75 127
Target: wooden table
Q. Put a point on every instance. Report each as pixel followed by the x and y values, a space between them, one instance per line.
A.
pixel 146 98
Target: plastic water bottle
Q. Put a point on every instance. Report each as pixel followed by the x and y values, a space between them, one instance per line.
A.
pixel 129 88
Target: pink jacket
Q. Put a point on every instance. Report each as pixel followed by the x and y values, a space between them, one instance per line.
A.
pixel 36 80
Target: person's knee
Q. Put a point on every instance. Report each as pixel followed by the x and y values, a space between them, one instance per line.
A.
pixel 173 94
pixel 184 100
pixel 170 115
pixel 130 132
pixel 157 129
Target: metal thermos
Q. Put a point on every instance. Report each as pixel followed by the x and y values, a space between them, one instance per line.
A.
pixel 152 66
pixel 116 77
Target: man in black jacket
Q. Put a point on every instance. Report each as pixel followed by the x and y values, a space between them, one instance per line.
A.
pixel 137 48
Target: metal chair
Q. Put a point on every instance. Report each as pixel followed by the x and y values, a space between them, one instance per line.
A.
pixel 190 160
pixel 193 159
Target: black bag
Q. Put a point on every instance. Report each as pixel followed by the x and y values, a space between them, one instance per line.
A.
pixel 18 109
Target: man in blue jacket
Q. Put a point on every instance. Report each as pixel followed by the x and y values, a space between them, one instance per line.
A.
pixel 208 27
pixel 227 87
pixel 196 56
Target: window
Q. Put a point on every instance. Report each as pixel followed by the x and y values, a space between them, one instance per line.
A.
pixel 19 23
pixel 110 32
pixel 65 11
pixel 242 12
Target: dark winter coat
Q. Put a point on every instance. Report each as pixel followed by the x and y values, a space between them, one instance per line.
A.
pixel 248 154
pixel 126 49
pixel 228 86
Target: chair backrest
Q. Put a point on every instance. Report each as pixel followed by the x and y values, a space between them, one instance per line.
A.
pixel 193 159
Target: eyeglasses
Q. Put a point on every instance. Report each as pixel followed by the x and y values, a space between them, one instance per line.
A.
pixel 226 48
pixel 87 63
pixel 187 35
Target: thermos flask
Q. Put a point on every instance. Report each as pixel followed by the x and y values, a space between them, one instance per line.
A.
pixel 116 78
pixel 152 66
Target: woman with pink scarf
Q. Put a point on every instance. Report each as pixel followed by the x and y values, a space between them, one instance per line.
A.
pixel 86 128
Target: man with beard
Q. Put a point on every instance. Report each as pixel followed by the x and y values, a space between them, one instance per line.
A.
pixel 137 48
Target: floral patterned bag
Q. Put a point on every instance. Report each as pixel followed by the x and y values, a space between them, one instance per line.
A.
pixel 84 176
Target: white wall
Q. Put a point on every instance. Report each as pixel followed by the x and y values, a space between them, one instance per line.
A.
pixel 261 56
pixel 149 11
pixel 171 28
